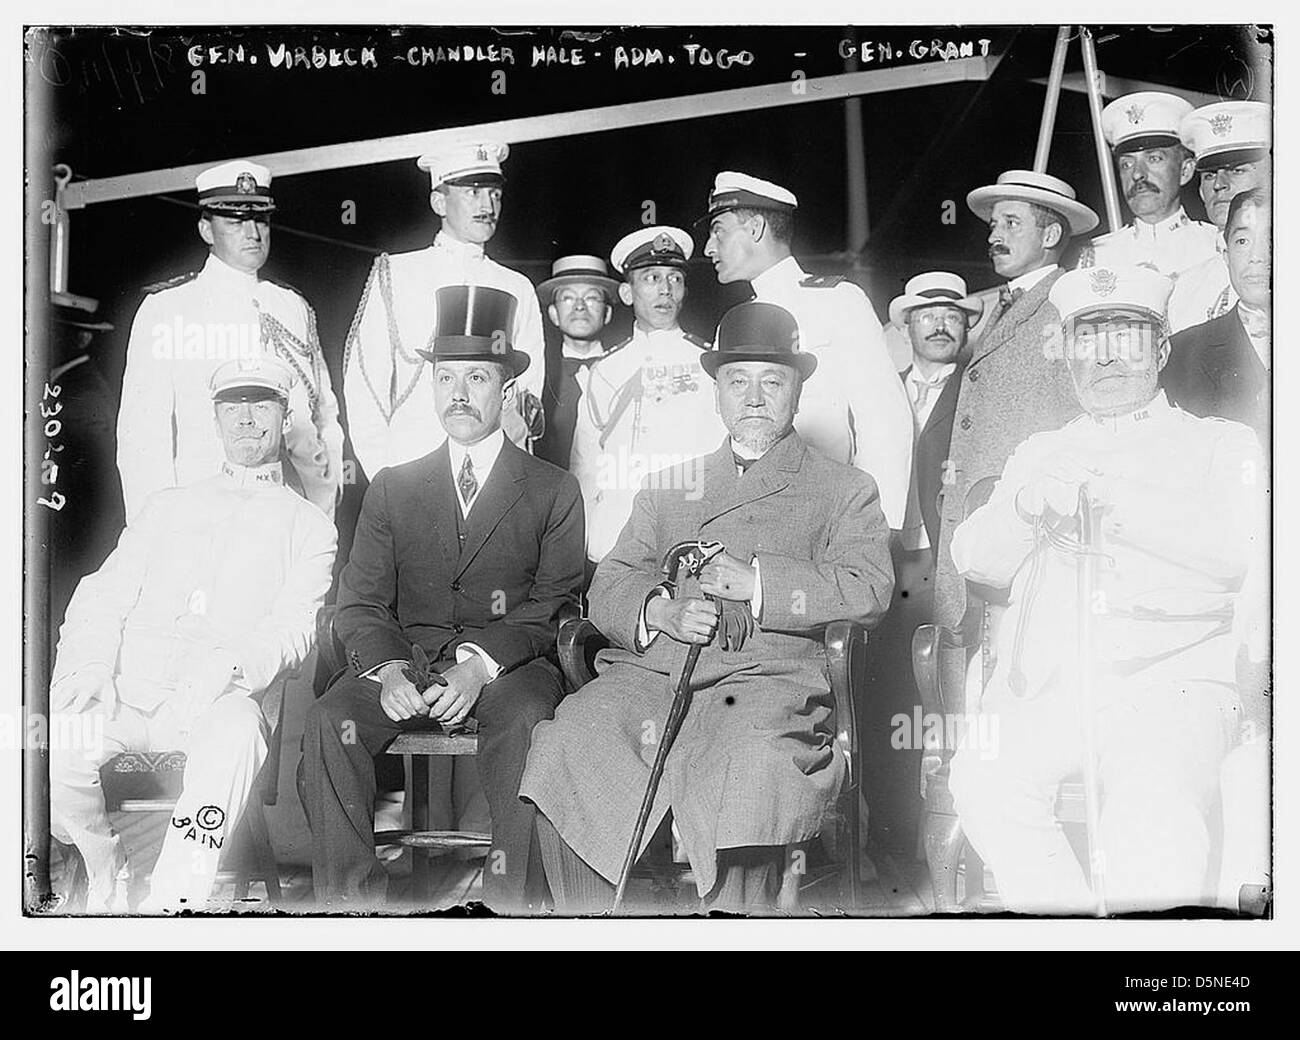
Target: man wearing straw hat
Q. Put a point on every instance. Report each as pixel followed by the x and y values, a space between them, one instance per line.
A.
pixel 1014 385
pixel 1182 516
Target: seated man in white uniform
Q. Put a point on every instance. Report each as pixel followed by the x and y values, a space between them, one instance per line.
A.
pixel 1179 507
pixel 647 404
pixel 211 593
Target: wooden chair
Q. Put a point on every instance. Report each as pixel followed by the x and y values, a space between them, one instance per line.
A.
pixel 578 643
pixel 417 747
pixel 150 782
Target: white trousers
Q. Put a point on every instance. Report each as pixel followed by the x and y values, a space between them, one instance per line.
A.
pixel 224 751
pixel 1159 752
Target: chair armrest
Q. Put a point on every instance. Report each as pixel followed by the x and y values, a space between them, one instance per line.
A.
pixel 577 644
pixel 846 645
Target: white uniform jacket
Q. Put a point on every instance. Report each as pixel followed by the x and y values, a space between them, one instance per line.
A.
pixel 387 385
pixel 645 406
pixel 180 336
pixel 1170 247
pixel 236 564
pixel 854 408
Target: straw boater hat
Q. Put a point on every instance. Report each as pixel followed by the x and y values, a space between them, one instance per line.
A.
pixel 578 268
pixel 1042 188
pixel 925 290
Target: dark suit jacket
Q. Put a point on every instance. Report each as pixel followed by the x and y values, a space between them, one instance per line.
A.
pixel 931 450
pixel 560 394
pixel 410 581
pixel 1213 370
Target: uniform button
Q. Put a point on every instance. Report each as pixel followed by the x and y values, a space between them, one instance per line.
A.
pixel 965 422
pixel 458 628
pixel 456 586
pixel 973 375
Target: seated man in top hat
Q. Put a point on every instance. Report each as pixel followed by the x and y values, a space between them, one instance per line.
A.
pixel 754 767
pixel 469 554
pixel 1179 506
pixel 176 637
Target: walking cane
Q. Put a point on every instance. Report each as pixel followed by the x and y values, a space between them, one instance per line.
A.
pixel 693 556
pixel 1087 583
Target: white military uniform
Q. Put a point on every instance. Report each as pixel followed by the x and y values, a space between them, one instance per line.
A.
pixel 388 386
pixel 1185 525
pixel 1202 292
pixel 856 410
pixel 1170 247
pixel 180 336
pixel 645 406
pixel 228 572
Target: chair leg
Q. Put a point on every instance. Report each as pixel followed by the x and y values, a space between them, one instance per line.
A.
pixel 420 867
pixel 944 841
pixel 264 851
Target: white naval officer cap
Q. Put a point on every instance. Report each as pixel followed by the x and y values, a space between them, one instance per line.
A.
pixel 252 379
pixel 1146 119
pixel 1228 132
pixel 1139 291
pixel 657 246
pixel 236 188
pixel 732 190
pixel 467 165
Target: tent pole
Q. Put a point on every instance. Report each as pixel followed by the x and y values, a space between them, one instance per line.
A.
pixel 1048 123
pixel 1108 188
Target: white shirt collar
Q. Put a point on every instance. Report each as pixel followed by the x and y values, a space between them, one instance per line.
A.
pixel 640 333
pixel 938 379
pixel 217 270
pixel 466 250
pixel 483 457
pixel 782 274
pixel 1156 408
pixel 1029 279
pixel 1154 232
pixel 595 349
pixel 743 451
pixel 269 474
pixel 1256 322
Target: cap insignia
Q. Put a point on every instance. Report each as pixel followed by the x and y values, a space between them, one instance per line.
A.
pixel 1221 125
pixel 1135 113
pixel 246 184
pixel 1103 281
pixel 663 243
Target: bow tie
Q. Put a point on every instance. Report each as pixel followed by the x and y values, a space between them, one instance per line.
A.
pixel 1006 297
pixel 742 462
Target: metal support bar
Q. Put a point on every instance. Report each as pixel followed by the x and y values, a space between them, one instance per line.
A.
pixel 1048 123
pixel 534 128
pixel 1108 187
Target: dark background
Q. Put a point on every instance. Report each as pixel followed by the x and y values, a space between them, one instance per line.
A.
pixel 115 101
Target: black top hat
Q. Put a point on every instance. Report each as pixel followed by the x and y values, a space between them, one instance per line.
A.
pixel 757 331
pixel 475 323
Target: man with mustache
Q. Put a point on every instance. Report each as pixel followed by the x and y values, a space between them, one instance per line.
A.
pixel 186 328
pixel 1181 515
pixel 754 768
pixel 1222 366
pixel 1153 164
pixel 857 412
pixel 211 593
pixel 388 387
pixel 579 297
pixel 1015 383
pixel 645 405
pixel 1232 141
pixel 471 553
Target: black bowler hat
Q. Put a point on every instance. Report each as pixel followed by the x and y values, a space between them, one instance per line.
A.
pixel 475 323
pixel 758 331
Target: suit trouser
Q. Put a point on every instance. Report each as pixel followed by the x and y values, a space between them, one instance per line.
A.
pixel 346 728
pixel 224 750
pixel 1158 751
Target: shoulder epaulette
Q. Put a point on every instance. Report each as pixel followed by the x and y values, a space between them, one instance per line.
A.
pixel 694 340
pixel 286 287
pixel 170 283
pixel 822 281
pixel 1087 257
pixel 615 348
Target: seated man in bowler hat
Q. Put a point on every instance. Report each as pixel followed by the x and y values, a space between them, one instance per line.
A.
pixel 469 553
pixel 755 767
